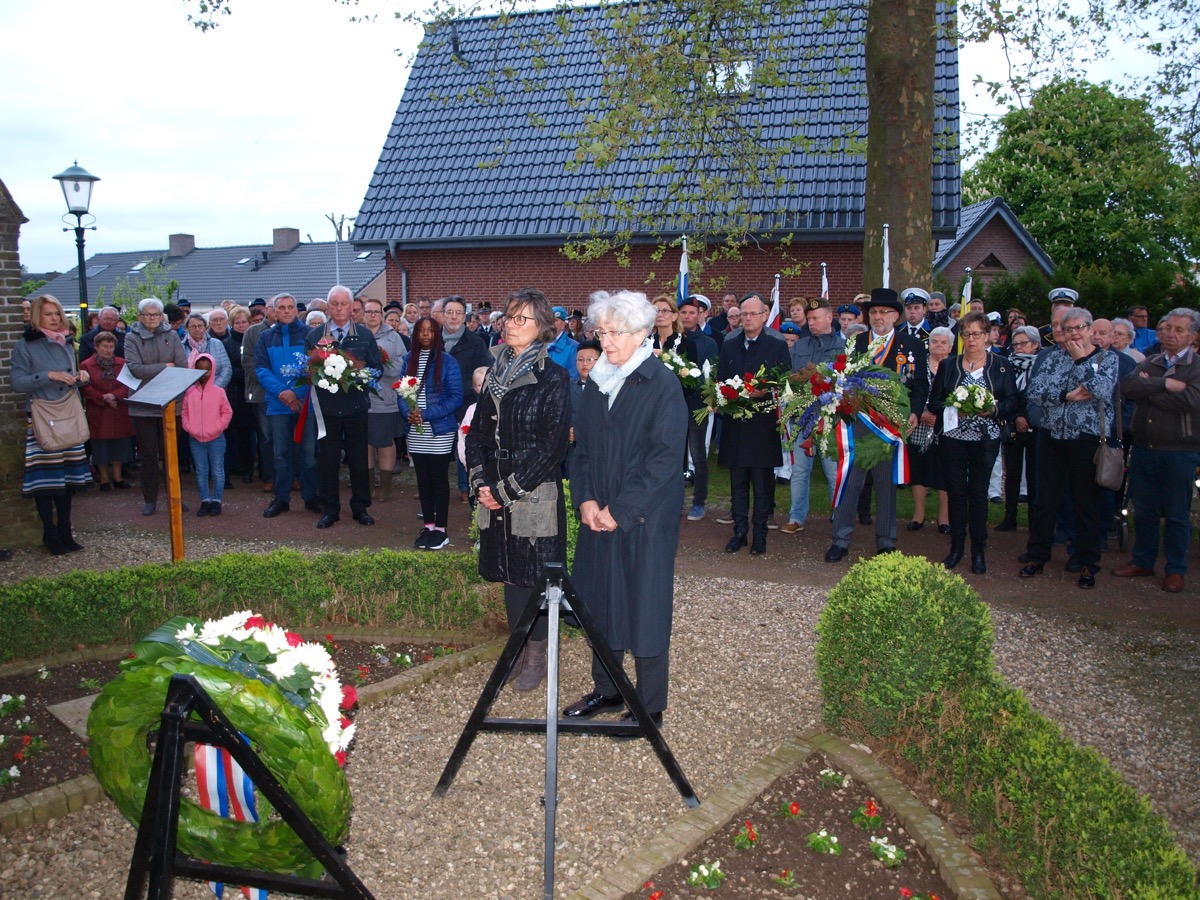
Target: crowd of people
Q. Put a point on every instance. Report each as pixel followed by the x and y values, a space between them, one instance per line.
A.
pixel 533 397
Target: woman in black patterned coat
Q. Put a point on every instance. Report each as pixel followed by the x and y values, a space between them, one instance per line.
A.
pixel 515 448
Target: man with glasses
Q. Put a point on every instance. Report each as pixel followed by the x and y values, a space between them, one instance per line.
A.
pixel 564 347
pixel 750 447
pixel 901 353
pixel 1143 335
pixel 1061 299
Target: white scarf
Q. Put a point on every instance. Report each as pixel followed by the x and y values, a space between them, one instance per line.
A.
pixel 609 378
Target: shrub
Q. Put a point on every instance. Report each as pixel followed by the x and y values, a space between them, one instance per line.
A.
pixel 1055 813
pixel 371 587
pixel 895 630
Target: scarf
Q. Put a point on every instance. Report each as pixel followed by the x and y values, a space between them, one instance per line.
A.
pixel 1021 363
pixel 610 378
pixel 509 367
pixel 107 367
pixel 59 337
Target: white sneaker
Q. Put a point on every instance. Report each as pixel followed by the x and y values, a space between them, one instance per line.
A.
pixel 726 519
pixel 696 514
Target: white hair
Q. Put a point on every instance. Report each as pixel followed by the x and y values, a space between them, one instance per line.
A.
pixel 943 331
pixel 315 318
pixel 628 309
pixel 342 289
pixel 150 303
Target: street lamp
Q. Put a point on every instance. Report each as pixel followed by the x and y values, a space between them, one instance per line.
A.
pixel 76 184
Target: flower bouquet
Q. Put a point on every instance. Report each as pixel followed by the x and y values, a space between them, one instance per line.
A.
pixel 821 397
pixel 406 389
pixel 734 396
pixel 972 400
pixel 332 369
pixel 689 374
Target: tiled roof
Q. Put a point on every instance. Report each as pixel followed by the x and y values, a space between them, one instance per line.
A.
pixel 456 173
pixel 208 275
pixel 974 218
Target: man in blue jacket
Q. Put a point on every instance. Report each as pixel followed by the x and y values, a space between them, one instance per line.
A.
pixel 279 359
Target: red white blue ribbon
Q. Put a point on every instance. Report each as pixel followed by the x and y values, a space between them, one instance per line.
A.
pixel 227 790
pixel 844 437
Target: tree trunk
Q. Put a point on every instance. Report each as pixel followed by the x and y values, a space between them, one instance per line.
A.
pixel 901 42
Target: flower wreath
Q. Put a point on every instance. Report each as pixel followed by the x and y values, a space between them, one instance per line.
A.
pixel 263 679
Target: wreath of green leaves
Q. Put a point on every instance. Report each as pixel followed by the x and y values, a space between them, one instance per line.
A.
pixel 289 744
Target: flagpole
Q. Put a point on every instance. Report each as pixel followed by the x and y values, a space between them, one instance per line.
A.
pixel 774 318
pixel 887 262
pixel 681 293
pixel 824 281
pixel 967 291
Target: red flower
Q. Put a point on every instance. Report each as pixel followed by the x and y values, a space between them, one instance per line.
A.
pixel 871 808
pixel 255 622
pixel 293 639
pixel 839 364
pixel 349 697
pixel 905 893
pixel 657 895
pixel 794 809
pixel 329 637
pixel 466 429
pixel 345 722
pixel 27 740
pixel 648 886
pixel 728 393
pixel 340 756
pixel 19 756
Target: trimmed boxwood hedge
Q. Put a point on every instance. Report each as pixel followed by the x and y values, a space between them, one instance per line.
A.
pixel 905 654
pixel 368 588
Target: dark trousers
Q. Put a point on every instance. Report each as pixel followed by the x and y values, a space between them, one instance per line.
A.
pixel 968 468
pixel 516 598
pixel 1161 484
pixel 239 440
pixel 433 486
pixel 266 450
pixel 1020 452
pixel 651 673
pixel 740 480
pixel 696 433
pixel 148 430
pixel 1059 463
pixel 349 434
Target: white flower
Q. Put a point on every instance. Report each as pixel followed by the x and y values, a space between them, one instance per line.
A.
pixel 323 384
pixel 703 870
pixel 273 638
pixel 694 372
pixel 960 393
pixel 187 633
pixel 14 772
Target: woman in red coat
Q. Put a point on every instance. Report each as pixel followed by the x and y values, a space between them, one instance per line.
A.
pixel 107 412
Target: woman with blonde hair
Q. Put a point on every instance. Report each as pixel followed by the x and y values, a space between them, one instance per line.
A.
pixel 43 366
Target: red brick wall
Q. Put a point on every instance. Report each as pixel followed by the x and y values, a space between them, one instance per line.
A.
pixel 995 238
pixel 490 274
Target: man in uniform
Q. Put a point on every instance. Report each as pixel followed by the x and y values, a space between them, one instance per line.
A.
pixel 904 355
pixel 916 302
pixel 1061 299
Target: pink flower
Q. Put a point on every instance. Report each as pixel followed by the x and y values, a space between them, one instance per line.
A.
pixel 293 639
pixel 349 697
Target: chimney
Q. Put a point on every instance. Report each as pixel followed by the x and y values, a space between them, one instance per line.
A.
pixel 284 239
pixel 181 244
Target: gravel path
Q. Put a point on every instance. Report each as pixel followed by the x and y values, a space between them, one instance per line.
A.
pixel 742 681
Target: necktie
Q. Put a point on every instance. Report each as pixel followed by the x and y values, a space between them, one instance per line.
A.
pixel 338 334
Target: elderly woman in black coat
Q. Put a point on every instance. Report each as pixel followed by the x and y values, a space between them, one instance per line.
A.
pixel 629 439
pixel 515 447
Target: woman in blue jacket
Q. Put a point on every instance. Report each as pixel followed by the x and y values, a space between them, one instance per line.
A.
pixel 432 427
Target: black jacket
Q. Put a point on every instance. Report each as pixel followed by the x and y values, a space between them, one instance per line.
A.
pixel 998 374
pixel 359 343
pixel 752 442
pixel 470 352
pixel 907 357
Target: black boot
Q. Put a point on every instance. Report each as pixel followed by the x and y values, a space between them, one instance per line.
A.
pixel 53 542
pixel 978 563
pixel 956 552
pixel 63 508
pixel 1009 522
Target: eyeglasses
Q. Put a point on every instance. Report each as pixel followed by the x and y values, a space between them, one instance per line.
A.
pixel 519 321
pixel 373 312
pixel 601 335
pixel 1075 329
pixel 752 315
pixel 151 315
pixel 1020 341
pixel 974 334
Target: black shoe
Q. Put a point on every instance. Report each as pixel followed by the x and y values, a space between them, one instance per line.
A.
pixel 884 551
pixel 422 541
pixel 54 543
pixel 836 553
pixel 105 488
pixel 185 507
pixel 630 719
pixel 275 507
pixel 590 704
pixel 915 526
pixel 943 529
pixel 437 539
pixel 953 558
pixel 759 547
pixel 214 508
pixel 1035 568
pixel 1087 579
pixel 327 520
pixel 148 509
pixel 1007 525
pixel 736 543
pixel 364 518
pixel 865 519
pixel 248 478
pixel 978 564
pixel 203 510
pixel 122 485
pixel 1073 565
pixel 1024 557
pixel 314 506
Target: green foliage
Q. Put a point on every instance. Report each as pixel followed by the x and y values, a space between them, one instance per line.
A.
pixel 1091 176
pixel 371 587
pixel 1054 812
pixel 895 631
pixel 32 284
pixel 152 281
pixel 1027 291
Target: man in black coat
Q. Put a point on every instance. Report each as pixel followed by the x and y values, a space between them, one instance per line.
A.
pixel 750 447
pixel 345 415
pixel 904 354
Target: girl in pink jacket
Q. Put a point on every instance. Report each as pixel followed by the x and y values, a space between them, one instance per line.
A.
pixel 206 415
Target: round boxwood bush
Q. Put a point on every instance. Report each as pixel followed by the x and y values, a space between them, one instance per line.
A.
pixel 898 629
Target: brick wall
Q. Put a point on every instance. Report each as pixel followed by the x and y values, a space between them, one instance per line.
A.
pixel 489 274
pixel 997 239
pixel 20 517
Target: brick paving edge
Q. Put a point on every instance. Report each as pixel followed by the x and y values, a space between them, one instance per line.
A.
pixel 955 862
pixel 66 797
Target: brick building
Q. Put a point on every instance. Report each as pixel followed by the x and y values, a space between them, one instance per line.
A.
pixel 991 242
pixel 477 197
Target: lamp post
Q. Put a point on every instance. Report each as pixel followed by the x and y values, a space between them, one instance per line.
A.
pixel 76 184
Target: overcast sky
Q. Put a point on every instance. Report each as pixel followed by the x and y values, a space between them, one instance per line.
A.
pixel 274 119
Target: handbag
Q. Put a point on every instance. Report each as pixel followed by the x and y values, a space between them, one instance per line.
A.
pixel 1110 461
pixel 59 424
pixel 922 437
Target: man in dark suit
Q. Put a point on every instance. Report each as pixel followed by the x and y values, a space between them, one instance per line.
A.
pixel 905 355
pixel 344 414
pixel 751 447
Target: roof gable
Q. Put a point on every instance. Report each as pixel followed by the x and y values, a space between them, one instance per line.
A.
pixel 456 170
pixel 974 219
